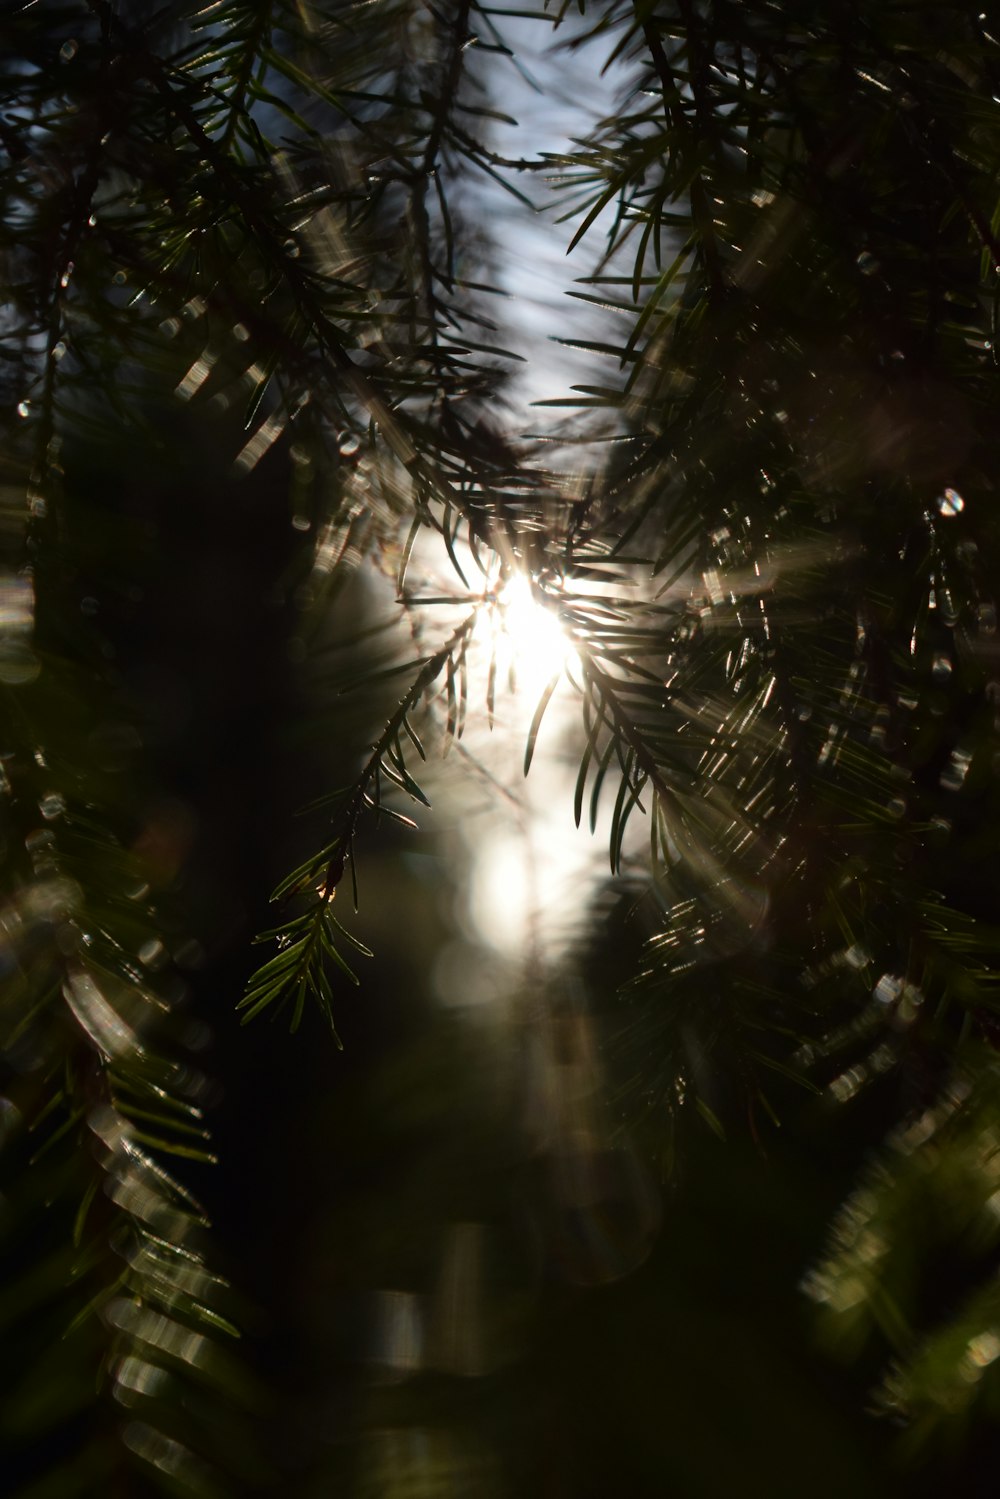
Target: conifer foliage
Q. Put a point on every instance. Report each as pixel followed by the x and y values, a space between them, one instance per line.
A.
pixel 264 219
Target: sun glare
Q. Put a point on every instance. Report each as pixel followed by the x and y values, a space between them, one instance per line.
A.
pixel 528 639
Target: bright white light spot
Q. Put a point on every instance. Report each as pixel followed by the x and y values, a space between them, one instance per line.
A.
pixel 532 868
pixel 528 639
pixel 500 894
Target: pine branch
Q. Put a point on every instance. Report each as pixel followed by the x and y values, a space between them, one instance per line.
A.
pixel 309 939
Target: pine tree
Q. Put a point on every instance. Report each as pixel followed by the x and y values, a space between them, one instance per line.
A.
pixel 254 354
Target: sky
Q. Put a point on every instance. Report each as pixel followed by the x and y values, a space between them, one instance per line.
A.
pixel 571 96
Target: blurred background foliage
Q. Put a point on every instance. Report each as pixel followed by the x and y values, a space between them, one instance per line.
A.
pixel 662 1158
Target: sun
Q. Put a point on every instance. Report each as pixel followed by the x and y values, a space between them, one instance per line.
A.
pixel 530 644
